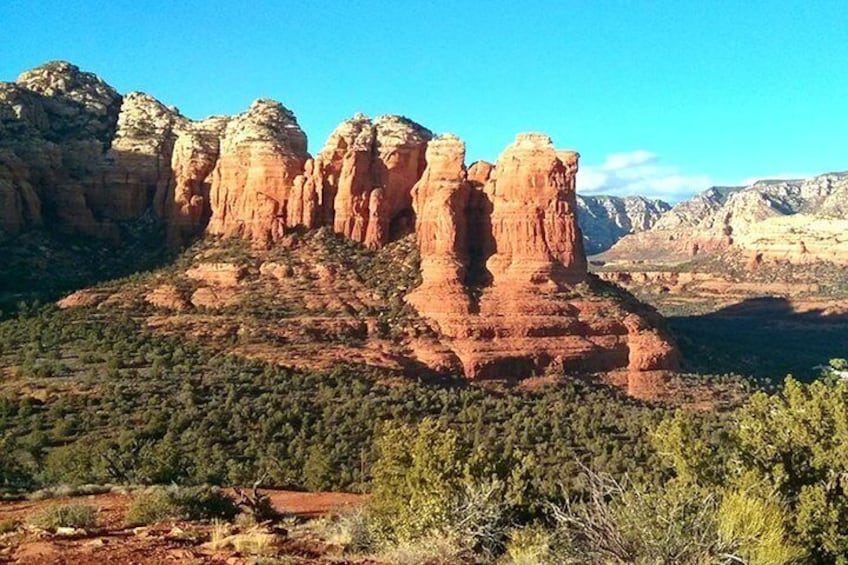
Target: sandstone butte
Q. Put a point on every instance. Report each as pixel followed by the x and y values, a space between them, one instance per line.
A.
pixel 504 276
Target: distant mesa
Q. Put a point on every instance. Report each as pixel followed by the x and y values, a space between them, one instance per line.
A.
pixel 503 265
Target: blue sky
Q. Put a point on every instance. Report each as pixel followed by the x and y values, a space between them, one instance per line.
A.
pixel 660 98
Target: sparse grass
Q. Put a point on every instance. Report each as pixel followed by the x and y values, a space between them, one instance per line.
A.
pixel 81 516
pixel 350 531
pixel 528 546
pixel 254 541
pixel 60 491
pixel 438 549
pixel 9 526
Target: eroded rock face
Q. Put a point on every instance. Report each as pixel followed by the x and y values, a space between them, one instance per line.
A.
pixel 363 177
pixel 604 220
pixel 56 122
pixel 262 152
pixel 187 206
pixel 534 224
pixel 440 200
pixel 138 171
pixel 782 221
pixel 536 305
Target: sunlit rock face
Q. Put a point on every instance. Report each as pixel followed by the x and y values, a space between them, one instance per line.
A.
pixel 262 152
pixel 535 305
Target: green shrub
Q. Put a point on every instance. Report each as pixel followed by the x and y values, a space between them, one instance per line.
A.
pixel 756 528
pixel 66 516
pixel 160 504
pixel 427 483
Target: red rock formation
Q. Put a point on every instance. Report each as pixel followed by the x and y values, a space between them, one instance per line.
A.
pixel 303 205
pixel 360 157
pixel 262 152
pixel 440 200
pixel 541 307
pixel 138 170
pixel 187 207
pixel 533 215
pixel 20 205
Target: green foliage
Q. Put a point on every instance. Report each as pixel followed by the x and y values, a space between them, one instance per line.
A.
pixel 66 516
pixel 427 482
pixel 755 526
pixel 530 545
pixel 207 418
pixel 160 504
pixel 784 465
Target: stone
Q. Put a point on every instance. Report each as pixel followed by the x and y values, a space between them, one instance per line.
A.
pixel 360 157
pixel 504 273
pixel 262 152
pixel 440 200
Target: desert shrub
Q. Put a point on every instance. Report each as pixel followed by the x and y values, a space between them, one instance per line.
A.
pixel 754 526
pixel 530 545
pixel 76 463
pixel 9 526
pixel 159 504
pixel 66 516
pixel 620 522
pixel 351 530
pixel 427 483
pixel 781 468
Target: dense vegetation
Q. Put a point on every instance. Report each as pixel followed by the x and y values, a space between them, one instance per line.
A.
pixel 86 399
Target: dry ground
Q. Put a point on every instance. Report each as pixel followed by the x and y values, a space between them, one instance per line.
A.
pixel 114 543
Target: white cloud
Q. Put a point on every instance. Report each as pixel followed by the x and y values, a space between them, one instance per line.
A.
pixel 639 173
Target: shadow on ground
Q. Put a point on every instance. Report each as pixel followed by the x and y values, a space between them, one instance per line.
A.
pixel 762 337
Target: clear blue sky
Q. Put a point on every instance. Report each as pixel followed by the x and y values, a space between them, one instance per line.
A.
pixel 659 97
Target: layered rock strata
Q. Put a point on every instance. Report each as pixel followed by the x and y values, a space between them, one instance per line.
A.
pixel 262 152
pixel 536 305
pixel 778 221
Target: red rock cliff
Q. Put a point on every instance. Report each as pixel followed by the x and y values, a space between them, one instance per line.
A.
pixel 536 304
pixel 362 179
pixel 440 200
pixel 262 152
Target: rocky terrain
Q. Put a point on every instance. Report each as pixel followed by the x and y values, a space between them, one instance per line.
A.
pixel 606 219
pixel 504 287
pixel 794 221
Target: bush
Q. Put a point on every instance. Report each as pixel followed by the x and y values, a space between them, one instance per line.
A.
pixel 160 504
pixel 66 516
pixel 529 546
pixel 428 484
pixel 623 523
pixel 9 526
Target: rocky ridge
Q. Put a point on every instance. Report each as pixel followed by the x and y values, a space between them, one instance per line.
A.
pixel 504 276
pixel 606 219
pixel 792 221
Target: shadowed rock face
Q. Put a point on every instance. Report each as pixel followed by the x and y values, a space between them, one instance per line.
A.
pixel 538 306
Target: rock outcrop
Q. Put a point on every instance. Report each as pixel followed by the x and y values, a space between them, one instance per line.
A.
pixel 794 221
pixel 361 181
pixel 536 306
pixel 604 220
pixel 262 152
pixel 504 279
pixel 440 200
